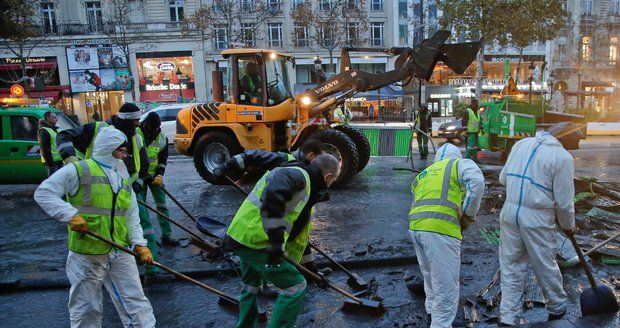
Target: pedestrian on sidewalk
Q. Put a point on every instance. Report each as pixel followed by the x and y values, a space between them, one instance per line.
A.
pixel 157 152
pixel 538 176
pixel 446 199
pixel 268 217
pixel 100 199
pixel 423 123
pixel 47 143
pixel 472 122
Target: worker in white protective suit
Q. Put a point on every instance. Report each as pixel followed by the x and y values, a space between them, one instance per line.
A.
pixel 93 187
pixel 446 199
pixel 538 176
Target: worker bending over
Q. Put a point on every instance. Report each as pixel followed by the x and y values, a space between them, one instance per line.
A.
pixel 538 176
pixel 100 199
pixel 446 198
pixel 261 228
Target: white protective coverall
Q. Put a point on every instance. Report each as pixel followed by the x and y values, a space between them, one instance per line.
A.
pixel 439 256
pixel 538 176
pixel 116 271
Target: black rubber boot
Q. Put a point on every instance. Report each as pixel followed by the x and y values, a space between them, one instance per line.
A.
pixel 556 316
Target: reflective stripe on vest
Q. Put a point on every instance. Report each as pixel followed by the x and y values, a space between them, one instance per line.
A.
pixel 94 201
pixel 137 144
pixel 153 149
pixel 473 124
pixel 53 148
pixel 434 209
pixel 249 228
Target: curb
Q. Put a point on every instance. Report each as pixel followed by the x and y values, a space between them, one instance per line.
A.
pixel 50 280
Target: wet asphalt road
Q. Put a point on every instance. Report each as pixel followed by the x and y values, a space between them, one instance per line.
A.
pixel 368 220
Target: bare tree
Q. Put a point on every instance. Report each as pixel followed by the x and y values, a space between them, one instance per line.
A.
pixel 228 22
pixel 126 36
pixel 330 25
pixel 20 35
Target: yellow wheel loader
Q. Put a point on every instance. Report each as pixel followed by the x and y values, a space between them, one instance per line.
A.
pixel 259 111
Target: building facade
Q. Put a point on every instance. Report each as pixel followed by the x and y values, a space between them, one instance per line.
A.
pixel 82 61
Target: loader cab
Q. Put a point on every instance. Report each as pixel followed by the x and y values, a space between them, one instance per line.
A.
pixel 258 78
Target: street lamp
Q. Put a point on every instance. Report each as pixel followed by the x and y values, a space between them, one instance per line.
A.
pixel 531 79
pixel 551 84
pixel 318 70
pixel 179 75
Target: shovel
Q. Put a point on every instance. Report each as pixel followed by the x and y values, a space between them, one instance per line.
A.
pixel 225 300
pixel 198 241
pixel 598 299
pixel 214 227
pixel 356 305
pixel 575 260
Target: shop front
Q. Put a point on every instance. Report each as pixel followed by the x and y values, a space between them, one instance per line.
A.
pixel 43 80
pixel 99 76
pixel 166 76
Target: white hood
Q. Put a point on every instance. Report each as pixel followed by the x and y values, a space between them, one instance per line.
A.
pixel 448 150
pixel 546 138
pixel 106 142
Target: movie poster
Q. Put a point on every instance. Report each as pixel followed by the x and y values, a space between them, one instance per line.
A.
pixel 118 58
pixel 123 79
pixel 85 80
pixel 105 57
pixel 108 79
pixel 82 58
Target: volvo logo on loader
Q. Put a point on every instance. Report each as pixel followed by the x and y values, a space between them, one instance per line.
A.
pixel 325 87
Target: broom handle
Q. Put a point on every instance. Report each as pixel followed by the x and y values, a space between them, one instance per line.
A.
pixel 330 259
pixel 168 219
pixel 582 260
pixel 234 184
pixel 163 267
pixel 178 204
pixel 317 278
pixel 602 243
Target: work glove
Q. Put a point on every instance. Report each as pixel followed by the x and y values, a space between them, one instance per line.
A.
pixel 225 168
pixel 144 255
pixel 158 181
pixel 78 224
pixel 137 187
pixel 466 221
pixel 70 159
pixel 275 252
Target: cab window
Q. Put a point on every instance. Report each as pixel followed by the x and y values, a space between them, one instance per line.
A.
pixel 277 80
pixel 250 81
pixel 24 127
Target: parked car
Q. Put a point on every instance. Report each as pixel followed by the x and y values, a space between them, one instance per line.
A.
pixel 453 131
pixel 168 116
pixel 20 158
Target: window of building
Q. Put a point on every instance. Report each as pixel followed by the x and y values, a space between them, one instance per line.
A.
pixel 94 16
pixel 275 6
pixel 247 6
pixel 24 127
pixel 221 37
pixel 615 7
pixel 248 34
pixel 325 5
pixel 613 50
pixel 275 34
pixel 352 33
pixel 562 51
pixel 176 10
pixel 587 7
pixel 49 17
pixel 326 35
pixel 376 5
pixel 376 34
pixel 297 3
pixel 301 36
pixel 353 4
pixel 370 68
pixel 403 33
pixel 403 9
pixel 586 48
pixel 136 11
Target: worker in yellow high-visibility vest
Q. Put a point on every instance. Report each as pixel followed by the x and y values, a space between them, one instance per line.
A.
pixel 446 198
pixel 472 122
pixel 47 143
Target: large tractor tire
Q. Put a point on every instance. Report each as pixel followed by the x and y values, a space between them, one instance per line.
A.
pixel 361 143
pixel 341 146
pixel 214 149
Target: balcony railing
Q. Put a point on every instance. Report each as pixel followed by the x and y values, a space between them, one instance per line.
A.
pixel 98 29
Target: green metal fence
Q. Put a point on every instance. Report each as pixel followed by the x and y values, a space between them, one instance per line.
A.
pixel 388 141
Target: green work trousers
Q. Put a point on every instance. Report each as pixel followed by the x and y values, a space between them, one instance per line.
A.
pixel 472 145
pixel 255 271
pixel 422 144
pixel 145 221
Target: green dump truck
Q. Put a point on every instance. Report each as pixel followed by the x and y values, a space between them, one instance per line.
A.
pixel 507 121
